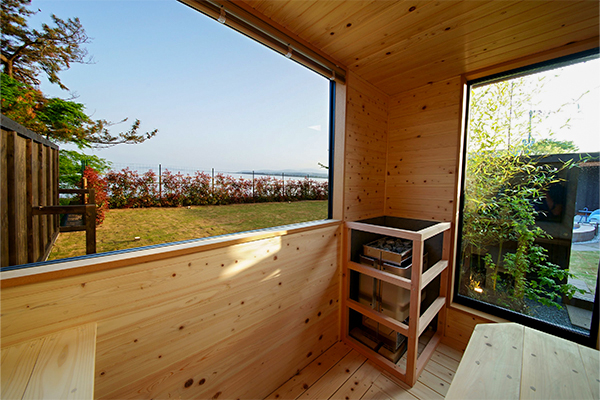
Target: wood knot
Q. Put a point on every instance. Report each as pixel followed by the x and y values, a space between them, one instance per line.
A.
pixel 413 8
pixel 188 383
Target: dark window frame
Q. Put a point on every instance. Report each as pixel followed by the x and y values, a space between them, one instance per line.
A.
pixel 489 308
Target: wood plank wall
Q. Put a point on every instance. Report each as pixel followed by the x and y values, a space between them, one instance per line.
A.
pixel 28 177
pixel 234 322
pixel 424 136
pixel 422 172
pixel 365 155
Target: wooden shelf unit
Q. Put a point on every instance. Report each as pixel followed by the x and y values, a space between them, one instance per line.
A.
pixel 417 322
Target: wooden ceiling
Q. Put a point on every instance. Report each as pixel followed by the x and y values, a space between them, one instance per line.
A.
pixel 400 45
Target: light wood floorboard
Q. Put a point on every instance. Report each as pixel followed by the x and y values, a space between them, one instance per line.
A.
pixel 342 373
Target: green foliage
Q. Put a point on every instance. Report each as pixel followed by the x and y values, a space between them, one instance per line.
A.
pixel 71 165
pixel 551 146
pixel 61 120
pixel 26 53
pixel 504 183
pixel 20 103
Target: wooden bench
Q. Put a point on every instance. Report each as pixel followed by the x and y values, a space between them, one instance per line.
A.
pixel 57 366
pixel 511 361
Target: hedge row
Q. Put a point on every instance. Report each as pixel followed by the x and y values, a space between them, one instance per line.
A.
pixel 129 189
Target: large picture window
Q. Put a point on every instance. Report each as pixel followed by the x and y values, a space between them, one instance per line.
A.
pixel 228 136
pixel 529 248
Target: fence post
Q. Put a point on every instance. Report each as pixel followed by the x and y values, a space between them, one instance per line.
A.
pixel 90 223
pixel 212 185
pixel 29 200
pixel 253 200
pixel 283 187
pixel 160 181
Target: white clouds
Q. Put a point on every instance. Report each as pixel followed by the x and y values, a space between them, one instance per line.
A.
pixel 315 128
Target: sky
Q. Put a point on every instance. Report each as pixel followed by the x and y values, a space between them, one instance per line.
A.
pixel 576 90
pixel 221 100
pixel 218 99
pixel 564 102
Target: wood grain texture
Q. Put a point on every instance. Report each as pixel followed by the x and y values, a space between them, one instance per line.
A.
pixel 16 368
pixel 460 325
pixel 358 384
pixel 421 177
pixel 552 368
pixel 511 361
pixel 4 245
pixel 491 367
pixel 307 377
pixel 365 154
pixel 219 318
pixel 591 361
pixel 57 366
pixel 400 46
pixel 368 381
pixel 24 237
pixel 65 366
pixel 329 383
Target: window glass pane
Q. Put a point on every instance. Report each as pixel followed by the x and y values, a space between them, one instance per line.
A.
pixel 529 241
pixel 243 132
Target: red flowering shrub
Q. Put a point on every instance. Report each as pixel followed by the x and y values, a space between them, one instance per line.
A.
pixel 127 188
pixel 94 181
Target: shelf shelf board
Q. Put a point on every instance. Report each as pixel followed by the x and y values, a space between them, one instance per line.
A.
pixel 378 317
pixel 433 272
pixel 431 312
pixel 381 275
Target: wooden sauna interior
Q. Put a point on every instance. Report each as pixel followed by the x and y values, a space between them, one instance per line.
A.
pixel 237 316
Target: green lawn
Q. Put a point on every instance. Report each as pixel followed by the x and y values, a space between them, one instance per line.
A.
pixel 164 225
pixel 584 265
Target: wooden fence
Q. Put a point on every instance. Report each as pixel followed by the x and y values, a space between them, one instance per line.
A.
pixel 28 177
pixel 29 206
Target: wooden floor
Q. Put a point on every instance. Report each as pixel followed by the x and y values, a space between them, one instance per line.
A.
pixel 342 373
